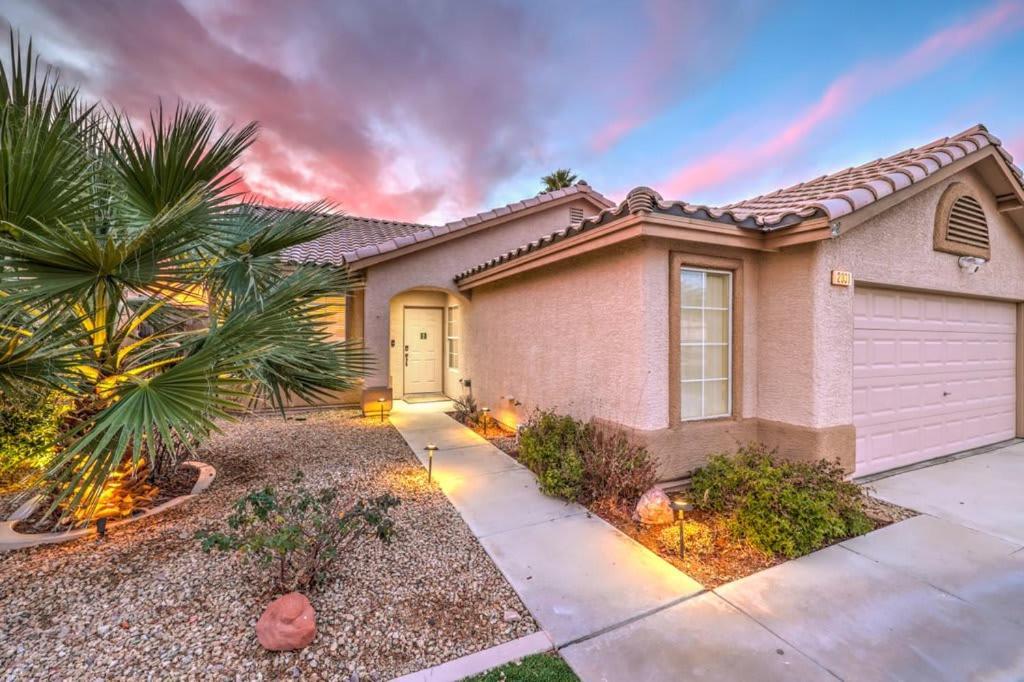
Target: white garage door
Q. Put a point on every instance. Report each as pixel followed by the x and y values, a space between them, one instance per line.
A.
pixel 932 375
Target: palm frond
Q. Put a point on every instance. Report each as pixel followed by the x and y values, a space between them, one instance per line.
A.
pixel 45 166
pixel 175 156
pixel 252 240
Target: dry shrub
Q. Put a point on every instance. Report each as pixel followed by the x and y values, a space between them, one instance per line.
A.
pixel 616 471
pixel 584 463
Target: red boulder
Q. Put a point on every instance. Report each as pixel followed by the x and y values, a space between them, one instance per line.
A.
pixel 288 623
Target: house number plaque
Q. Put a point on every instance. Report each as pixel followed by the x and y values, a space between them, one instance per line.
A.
pixel 841 278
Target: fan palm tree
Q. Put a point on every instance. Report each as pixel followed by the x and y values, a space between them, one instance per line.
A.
pixel 558 179
pixel 135 279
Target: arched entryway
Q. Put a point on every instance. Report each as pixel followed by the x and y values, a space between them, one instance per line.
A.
pixel 427 332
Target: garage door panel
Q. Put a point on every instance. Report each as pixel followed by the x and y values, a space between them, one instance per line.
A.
pixel 911 311
pixel 878 350
pixel 933 375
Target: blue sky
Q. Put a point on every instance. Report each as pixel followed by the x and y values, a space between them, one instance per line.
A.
pixel 431 110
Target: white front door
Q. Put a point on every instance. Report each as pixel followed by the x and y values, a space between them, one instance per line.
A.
pixel 423 350
pixel 932 375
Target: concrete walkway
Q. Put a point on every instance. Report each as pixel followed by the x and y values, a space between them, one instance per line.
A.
pixel 930 598
pixel 937 597
pixel 576 574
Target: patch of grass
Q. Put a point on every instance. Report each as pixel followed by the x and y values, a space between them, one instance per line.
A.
pixel 537 668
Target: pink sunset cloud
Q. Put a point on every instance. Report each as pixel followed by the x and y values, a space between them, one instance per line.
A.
pixel 331 95
pixel 846 93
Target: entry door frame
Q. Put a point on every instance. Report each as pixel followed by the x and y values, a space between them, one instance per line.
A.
pixel 440 350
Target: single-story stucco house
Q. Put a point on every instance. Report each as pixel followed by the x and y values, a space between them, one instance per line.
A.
pixel 873 315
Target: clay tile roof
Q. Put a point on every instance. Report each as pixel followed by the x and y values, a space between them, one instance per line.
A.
pixel 430 232
pixel 356 234
pixel 830 196
pixel 849 190
pixel 366 237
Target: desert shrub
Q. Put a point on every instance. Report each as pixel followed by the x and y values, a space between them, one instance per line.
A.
pixel 616 471
pixel 466 410
pixel 28 429
pixel 781 507
pixel 578 462
pixel 551 446
pixel 297 535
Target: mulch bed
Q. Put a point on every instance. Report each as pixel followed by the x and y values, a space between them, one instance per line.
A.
pixel 500 436
pixel 146 602
pixel 178 484
pixel 714 556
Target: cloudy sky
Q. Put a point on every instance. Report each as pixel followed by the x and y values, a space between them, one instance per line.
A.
pixel 427 110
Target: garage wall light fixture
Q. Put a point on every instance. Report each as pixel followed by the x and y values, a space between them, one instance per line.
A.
pixel 970 264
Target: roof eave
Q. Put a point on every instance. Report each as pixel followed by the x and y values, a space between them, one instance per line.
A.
pixel 625 228
pixel 356 262
pixel 1012 200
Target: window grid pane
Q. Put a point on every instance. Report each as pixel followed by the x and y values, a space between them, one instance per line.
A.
pixel 705 340
pixel 453 337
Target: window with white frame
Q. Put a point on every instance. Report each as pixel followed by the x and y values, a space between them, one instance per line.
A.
pixel 453 337
pixel 705 335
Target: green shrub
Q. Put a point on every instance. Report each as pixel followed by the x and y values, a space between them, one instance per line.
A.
pixel 299 534
pixel 550 445
pixel 781 507
pixel 27 433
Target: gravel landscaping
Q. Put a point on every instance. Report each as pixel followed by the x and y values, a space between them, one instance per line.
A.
pixel 146 602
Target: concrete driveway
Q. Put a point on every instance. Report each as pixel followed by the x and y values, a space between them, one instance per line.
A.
pixel 937 597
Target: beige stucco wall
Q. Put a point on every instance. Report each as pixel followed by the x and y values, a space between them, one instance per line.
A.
pixel 589 336
pixel 434 267
pixel 895 249
pixel 785 326
pixel 571 337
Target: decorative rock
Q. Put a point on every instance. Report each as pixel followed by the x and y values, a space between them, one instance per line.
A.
pixel 654 508
pixel 289 623
pixel 511 616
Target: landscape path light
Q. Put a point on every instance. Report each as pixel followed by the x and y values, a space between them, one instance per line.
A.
pixel 431 449
pixel 485 411
pixel 381 401
pixel 680 507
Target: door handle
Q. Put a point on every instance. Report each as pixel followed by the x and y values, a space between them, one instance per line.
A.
pixel 945 393
pixel 407 359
